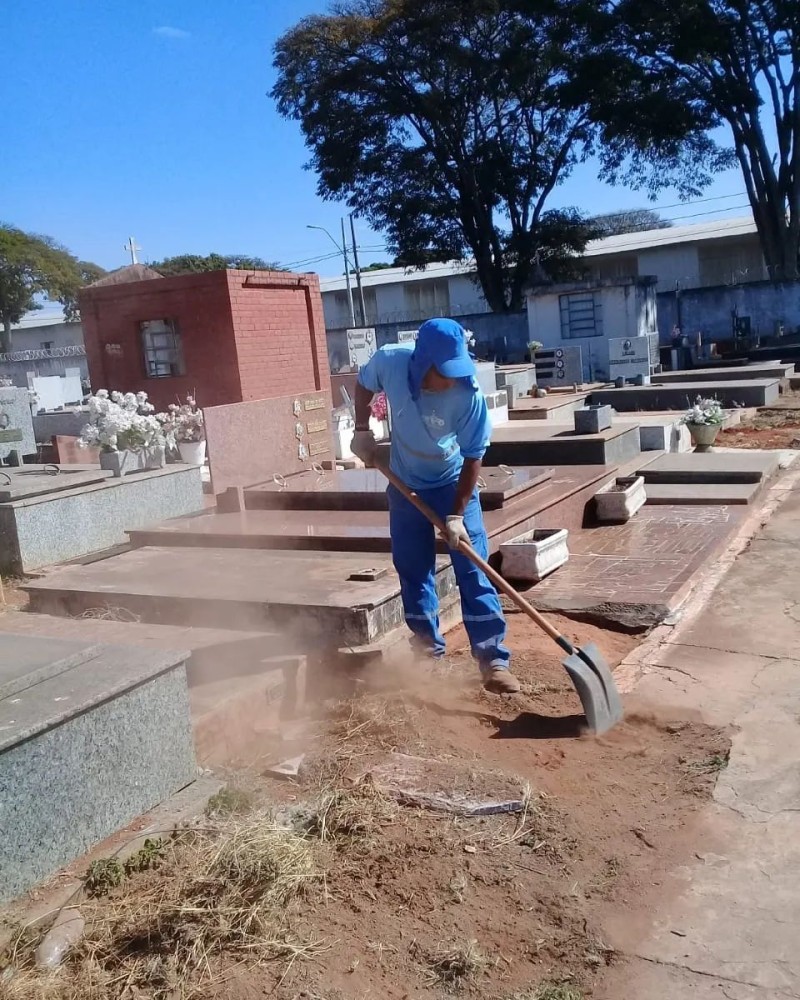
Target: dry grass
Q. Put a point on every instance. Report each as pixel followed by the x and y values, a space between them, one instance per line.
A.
pixel 376 722
pixel 350 814
pixel 455 966
pixel 224 892
pixel 550 991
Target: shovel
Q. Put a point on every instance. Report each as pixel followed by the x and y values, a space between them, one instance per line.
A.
pixel 585 665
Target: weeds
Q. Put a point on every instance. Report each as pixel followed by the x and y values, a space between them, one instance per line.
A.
pixel 106 874
pixel 709 765
pixel 228 801
pixel 374 721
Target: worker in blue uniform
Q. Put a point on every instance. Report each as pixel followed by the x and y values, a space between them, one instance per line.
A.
pixel 440 433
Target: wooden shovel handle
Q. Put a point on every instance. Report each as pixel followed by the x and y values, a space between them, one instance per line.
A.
pixel 467 550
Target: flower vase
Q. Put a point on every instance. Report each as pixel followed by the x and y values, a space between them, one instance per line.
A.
pixel 192 452
pixel 703 436
pixel 535 554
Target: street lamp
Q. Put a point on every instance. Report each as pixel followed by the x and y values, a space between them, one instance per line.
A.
pixel 343 251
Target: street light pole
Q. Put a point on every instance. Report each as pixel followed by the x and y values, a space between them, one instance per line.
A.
pixel 343 251
pixel 358 272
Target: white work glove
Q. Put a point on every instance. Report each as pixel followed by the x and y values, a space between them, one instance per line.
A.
pixel 456 531
pixel 365 447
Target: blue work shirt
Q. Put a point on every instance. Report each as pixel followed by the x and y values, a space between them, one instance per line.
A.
pixel 432 435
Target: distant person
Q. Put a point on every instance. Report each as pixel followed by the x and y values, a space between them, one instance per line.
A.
pixel 440 433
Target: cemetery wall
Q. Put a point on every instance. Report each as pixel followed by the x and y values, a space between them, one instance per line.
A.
pixel 711 310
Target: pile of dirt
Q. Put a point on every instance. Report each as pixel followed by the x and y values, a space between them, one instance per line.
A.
pixel 409 902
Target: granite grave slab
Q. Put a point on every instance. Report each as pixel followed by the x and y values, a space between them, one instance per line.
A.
pixel 703 494
pixel 681 395
pixel 38 480
pixel 524 443
pixel 72 521
pixel 737 373
pixel 712 467
pixel 310 600
pixel 90 738
pixel 365 489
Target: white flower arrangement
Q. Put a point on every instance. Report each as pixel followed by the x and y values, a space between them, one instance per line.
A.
pixel 535 345
pixel 704 413
pixel 182 423
pixel 122 422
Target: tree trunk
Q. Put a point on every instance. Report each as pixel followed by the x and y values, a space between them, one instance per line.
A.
pixel 5 337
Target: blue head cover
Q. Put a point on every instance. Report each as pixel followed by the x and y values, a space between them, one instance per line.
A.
pixel 441 344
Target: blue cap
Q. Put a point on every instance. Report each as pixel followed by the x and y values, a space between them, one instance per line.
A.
pixel 443 343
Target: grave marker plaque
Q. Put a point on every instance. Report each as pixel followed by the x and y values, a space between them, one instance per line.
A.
pixel 361 345
pixel 631 356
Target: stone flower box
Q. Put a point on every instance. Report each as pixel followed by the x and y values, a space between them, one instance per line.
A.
pixel 593 419
pixel 620 499
pixel 123 463
pixel 535 555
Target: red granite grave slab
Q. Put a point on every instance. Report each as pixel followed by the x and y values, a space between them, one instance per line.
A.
pixel 251 442
pixel 365 489
pixel 563 501
pixel 310 599
pixel 638 572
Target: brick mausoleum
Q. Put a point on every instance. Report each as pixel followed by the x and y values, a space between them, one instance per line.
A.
pixel 227 336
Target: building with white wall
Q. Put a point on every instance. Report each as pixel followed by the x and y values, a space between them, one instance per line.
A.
pixel 705 255
pixel 588 314
pixel 44 343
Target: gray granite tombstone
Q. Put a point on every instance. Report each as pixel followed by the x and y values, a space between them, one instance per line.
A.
pixel 91 737
pixel 16 422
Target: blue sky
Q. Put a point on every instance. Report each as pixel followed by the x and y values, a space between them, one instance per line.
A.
pixel 152 118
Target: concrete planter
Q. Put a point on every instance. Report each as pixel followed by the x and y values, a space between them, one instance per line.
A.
pixel 703 436
pixel 621 499
pixel 593 419
pixel 535 555
pixel 123 463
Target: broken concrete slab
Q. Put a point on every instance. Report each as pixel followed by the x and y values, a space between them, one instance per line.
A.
pixel 446 786
pixel 712 467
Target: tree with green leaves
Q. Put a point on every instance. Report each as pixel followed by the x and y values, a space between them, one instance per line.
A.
pixel 449 124
pixel 722 62
pixel 628 220
pixel 195 263
pixel 34 266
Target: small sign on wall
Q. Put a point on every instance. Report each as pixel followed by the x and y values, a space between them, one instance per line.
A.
pixel 406 336
pixel 361 345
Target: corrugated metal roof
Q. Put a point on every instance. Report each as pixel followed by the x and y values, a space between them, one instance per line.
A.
pixel 625 243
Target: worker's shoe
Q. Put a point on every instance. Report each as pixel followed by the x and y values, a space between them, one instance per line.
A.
pixel 498 680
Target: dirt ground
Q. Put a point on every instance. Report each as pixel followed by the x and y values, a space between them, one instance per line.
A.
pixel 412 903
pixel 773 427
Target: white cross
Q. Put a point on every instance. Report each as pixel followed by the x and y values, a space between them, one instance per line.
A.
pixel 132 249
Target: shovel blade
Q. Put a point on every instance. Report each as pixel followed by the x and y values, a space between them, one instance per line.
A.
pixel 595 685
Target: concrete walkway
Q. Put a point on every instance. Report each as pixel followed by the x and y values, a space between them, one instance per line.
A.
pixel 733 930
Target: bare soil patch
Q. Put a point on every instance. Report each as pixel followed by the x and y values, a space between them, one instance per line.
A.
pixel 773 427
pixel 404 902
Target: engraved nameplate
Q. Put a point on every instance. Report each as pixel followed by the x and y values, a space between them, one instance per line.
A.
pixel 315 404
pixel 317 426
